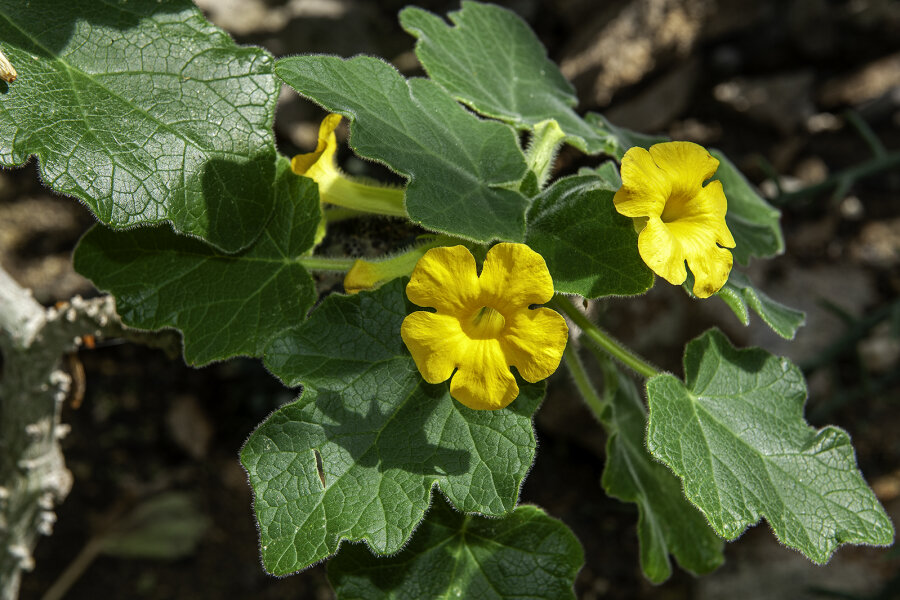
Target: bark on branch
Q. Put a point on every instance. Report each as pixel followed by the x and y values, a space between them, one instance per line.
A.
pixel 33 475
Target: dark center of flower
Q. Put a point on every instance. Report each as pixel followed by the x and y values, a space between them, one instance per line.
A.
pixel 484 323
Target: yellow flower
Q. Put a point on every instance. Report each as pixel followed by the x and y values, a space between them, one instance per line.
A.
pixel 337 188
pixel 483 324
pixel 679 219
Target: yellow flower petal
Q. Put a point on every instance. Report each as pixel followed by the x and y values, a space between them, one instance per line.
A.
pixel 710 269
pixel 446 279
pixel 435 341
pixel 713 196
pixel 533 342
pixel 645 187
pixel 514 277
pixel 686 165
pixel 484 381
pixel 322 159
pixel 662 252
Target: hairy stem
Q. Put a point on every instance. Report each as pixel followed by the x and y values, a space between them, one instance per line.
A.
pixel 602 339
pixel 583 382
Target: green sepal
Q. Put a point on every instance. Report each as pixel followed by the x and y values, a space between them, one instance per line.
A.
pixel 225 304
pixel 144 111
pixel 526 554
pixel 735 434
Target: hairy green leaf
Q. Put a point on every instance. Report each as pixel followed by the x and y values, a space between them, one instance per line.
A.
pixel 384 437
pixel 460 168
pixel 735 434
pixel 590 249
pixel 752 221
pixel 143 110
pixel 523 555
pixel 667 522
pixel 491 61
pixel 225 304
pixel 739 293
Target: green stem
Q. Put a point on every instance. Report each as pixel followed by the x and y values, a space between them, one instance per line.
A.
pixel 326 263
pixel 583 382
pixel 602 339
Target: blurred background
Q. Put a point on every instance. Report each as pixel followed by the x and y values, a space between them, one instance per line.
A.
pixel 796 93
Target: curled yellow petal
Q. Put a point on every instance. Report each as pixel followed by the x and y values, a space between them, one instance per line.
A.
pixel 679 220
pixel 320 161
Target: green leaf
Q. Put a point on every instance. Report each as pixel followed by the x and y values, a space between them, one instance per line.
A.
pixel 492 61
pixel 667 522
pixel 225 304
pixel 168 526
pixel 735 434
pixel 524 555
pixel 385 438
pixel 752 221
pixel 590 249
pixel 459 167
pixel 738 293
pixel 143 110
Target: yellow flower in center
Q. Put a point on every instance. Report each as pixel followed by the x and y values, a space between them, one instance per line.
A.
pixel 679 219
pixel 483 324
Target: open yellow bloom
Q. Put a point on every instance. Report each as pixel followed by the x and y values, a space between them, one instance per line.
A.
pixel 337 188
pixel 679 219
pixel 483 324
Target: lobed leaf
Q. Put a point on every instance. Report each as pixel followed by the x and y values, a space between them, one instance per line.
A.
pixel 143 110
pixel 493 62
pixel 225 304
pixel 452 555
pixel 460 168
pixel 735 434
pixel 590 249
pixel 752 221
pixel 667 522
pixel 384 437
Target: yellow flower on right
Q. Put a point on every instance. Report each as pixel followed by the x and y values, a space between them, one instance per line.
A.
pixel 677 217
